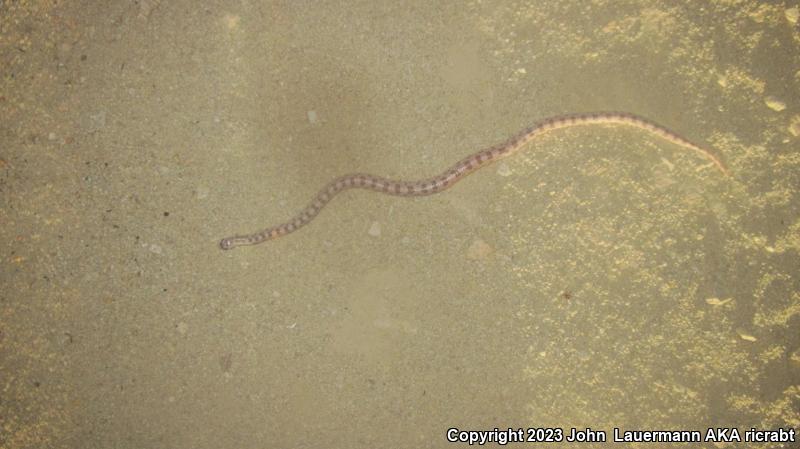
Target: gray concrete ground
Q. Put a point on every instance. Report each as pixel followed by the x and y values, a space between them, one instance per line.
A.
pixel 601 278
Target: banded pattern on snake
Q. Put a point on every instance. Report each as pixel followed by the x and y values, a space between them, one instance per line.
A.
pixel 460 169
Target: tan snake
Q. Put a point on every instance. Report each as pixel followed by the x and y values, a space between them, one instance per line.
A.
pixel 458 171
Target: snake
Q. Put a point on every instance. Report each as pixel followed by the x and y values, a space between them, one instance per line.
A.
pixel 461 169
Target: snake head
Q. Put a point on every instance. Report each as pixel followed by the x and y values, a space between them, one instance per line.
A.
pixel 226 243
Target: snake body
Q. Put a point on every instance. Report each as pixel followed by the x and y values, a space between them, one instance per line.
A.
pixel 459 170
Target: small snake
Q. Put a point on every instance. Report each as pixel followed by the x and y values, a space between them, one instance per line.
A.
pixel 460 170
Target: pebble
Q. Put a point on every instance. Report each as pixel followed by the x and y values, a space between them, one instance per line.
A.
pixel 146 8
pixel 375 229
pixel 746 337
pixel 774 104
pixel 503 169
pixel 717 301
pixel 794 126
pixel 312 117
pixel 479 250
pixel 792 15
pixel 97 121
pixel 794 359
pixel 201 192
pixel 231 21
pixel 155 249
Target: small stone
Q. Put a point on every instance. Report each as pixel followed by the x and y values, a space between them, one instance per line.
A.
pixel 146 8
pixel 231 21
pixel 226 362
pixel 746 337
pixel 794 126
pixel 312 117
pixel 375 229
pixel 97 122
pixel 182 328
pixel 155 249
pixel 503 169
pixel 51 136
pixel 717 301
pixel 479 250
pixel 775 104
pixel 201 192
pixel 794 359
pixel 792 15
